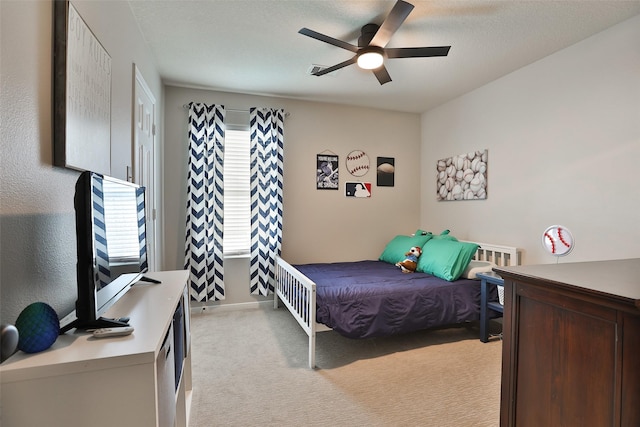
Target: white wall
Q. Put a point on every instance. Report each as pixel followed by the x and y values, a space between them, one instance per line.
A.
pixel 319 225
pixel 37 220
pixel 564 142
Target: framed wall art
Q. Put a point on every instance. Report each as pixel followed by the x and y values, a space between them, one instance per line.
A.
pixel 462 177
pixel 386 171
pixel 82 94
pixel 327 172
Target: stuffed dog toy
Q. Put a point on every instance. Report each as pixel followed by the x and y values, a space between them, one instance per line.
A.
pixel 411 261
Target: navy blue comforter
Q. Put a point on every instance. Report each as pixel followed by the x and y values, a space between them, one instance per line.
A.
pixel 373 298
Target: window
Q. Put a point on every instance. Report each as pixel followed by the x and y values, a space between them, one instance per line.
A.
pixel 121 219
pixel 237 192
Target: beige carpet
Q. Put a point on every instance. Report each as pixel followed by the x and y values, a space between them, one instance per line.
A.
pixel 250 369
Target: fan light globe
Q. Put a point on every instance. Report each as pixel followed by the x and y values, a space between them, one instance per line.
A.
pixel 370 60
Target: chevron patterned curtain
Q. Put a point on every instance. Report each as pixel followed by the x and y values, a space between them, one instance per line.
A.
pixel 267 144
pixel 205 202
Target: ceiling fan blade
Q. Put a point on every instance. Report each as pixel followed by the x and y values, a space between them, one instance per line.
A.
pixel 336 67
pixel 382 75
pixel 417 52
pixel 327 39
pixel 396 17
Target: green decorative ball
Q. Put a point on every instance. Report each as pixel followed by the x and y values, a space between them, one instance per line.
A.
pixel 38 327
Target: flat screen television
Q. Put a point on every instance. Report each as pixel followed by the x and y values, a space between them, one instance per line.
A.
pixel 111 246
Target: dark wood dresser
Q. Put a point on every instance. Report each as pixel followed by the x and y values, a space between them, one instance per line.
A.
pixel 571 350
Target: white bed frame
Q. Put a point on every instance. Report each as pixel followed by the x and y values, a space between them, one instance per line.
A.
pixel 298 293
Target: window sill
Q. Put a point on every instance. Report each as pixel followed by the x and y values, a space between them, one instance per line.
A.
pixel 235 256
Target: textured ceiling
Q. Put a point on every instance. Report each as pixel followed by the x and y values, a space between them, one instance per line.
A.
pixel 254 47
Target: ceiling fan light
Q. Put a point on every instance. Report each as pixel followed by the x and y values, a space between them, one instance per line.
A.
pixel 370 60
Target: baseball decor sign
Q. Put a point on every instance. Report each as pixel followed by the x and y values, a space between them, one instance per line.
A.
pixel 326 172
pixel 357 163
pixel 357 189
pixel 557 240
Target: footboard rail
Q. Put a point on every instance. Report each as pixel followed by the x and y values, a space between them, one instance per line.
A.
pixel 298 294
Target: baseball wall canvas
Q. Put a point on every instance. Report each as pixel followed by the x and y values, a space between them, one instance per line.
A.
pixel 462 177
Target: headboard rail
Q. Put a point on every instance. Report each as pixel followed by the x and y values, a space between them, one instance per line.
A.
pixel 504 256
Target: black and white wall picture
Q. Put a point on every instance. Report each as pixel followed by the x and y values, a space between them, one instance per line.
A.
pixel 386 169
pixel 462 177
pixel 357 189
pixel 326 172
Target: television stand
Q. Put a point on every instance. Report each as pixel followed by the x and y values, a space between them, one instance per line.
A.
pixel 149 279
pixel 137 380
pixel 101 322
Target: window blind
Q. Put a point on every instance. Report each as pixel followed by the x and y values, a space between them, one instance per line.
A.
pixel 237 197
pixel 121 219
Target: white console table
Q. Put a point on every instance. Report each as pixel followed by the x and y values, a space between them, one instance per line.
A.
pixel 116 381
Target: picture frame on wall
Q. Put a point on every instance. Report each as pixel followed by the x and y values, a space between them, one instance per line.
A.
pixel 327 173
pixel 386 171
pixel 462 177
pixel 82 94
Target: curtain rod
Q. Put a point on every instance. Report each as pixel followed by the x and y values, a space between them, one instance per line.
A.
pixel 235 110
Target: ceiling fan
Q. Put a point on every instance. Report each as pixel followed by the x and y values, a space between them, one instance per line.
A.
pixel 371 51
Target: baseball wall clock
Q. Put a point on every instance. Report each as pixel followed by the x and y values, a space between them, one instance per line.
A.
pixel 357 163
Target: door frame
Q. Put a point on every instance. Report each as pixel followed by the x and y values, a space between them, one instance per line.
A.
pixel 139 83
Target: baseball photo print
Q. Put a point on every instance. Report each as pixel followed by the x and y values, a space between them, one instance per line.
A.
pixel 462 177
pixel 386 170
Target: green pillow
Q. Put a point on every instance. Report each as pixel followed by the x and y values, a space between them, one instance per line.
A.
pixel 444 235
pixel 397 248
pixel 446 259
